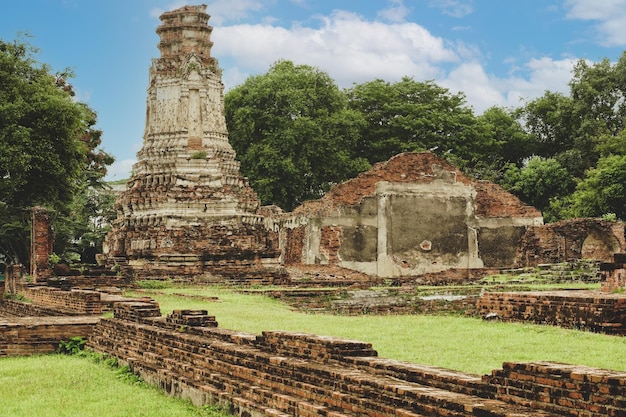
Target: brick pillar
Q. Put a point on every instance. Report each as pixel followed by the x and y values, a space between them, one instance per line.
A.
pixel 614 273
pixel 41 241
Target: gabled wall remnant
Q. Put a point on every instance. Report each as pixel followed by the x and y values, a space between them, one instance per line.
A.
pixel 411 215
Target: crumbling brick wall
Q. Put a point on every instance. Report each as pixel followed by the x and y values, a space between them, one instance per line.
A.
pixel 295 374
pixel 411 215
pixel 566 390
pixel 294 245
pixel 570 240
pixel 589 310
pixel 614 274
pixel 73 302
pixel 39 335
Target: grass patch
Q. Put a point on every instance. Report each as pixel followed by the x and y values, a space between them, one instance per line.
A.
pixel 69 386
pixel 153 284
pixel 461 343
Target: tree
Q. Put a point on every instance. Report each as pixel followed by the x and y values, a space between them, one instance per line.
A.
pixel 580 128
pixel 293 133
pixel 538 183
pixel 48 146
pixel 603 190
pixel 417 116
pixel 510 144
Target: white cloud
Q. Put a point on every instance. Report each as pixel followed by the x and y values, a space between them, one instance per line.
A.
pixel 120 170
pixel 454 8
pixel 345 45
pixel 231 10
pixel 479 89
pixel 158 11
pixel 531 81
pixel 610 14
pixel 396 12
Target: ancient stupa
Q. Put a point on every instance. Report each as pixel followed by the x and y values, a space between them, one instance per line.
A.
pixel 186 210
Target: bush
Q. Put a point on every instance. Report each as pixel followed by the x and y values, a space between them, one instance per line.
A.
pixel 73 346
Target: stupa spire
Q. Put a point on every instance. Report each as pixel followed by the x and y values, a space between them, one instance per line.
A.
pixel 186 202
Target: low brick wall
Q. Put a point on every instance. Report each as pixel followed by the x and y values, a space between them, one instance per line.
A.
pixel 14 308
pixel 294 374
pixel 567 390
pixel 589 310
pixel 73 302
pixel 37 335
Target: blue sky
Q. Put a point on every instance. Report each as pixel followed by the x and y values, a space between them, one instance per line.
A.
pixel 497 52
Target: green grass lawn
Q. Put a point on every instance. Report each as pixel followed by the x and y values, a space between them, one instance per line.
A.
pixel 70 386
pixel 58 385
pixel 461 343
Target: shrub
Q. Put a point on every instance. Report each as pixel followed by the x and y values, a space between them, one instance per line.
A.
pixel 72 346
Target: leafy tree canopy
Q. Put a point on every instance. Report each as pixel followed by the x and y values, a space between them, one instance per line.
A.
pixel 538 183
pixel 417 116
pixel 48 144
pixel 293 133
pixel 603 190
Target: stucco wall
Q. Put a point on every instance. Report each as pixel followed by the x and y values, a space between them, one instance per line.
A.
pixel 411 215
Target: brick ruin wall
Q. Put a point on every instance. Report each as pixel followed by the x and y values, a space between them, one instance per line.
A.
pixel 565 390
pixel 72 303
pixel 44 316
pixel 288 374
pixel 39 335
pixel 614 274
pixel 569 240
pixel 410 215
pixel 589 310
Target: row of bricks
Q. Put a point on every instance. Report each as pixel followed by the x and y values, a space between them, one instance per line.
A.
pixel 362 388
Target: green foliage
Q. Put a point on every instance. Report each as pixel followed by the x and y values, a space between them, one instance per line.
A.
pixel 49 150
pixel 510 144
pixel 14 235
pixel 40 129
pixel 417 116
pixel 198 155
pixel 585 132
pixel 538 182
pixel 609 217
pixel 80 233
pixel 72 346
pixel 603 190
pixel 293 133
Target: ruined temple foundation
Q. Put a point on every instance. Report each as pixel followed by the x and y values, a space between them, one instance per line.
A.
pixel 186 210
pixel 284 374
